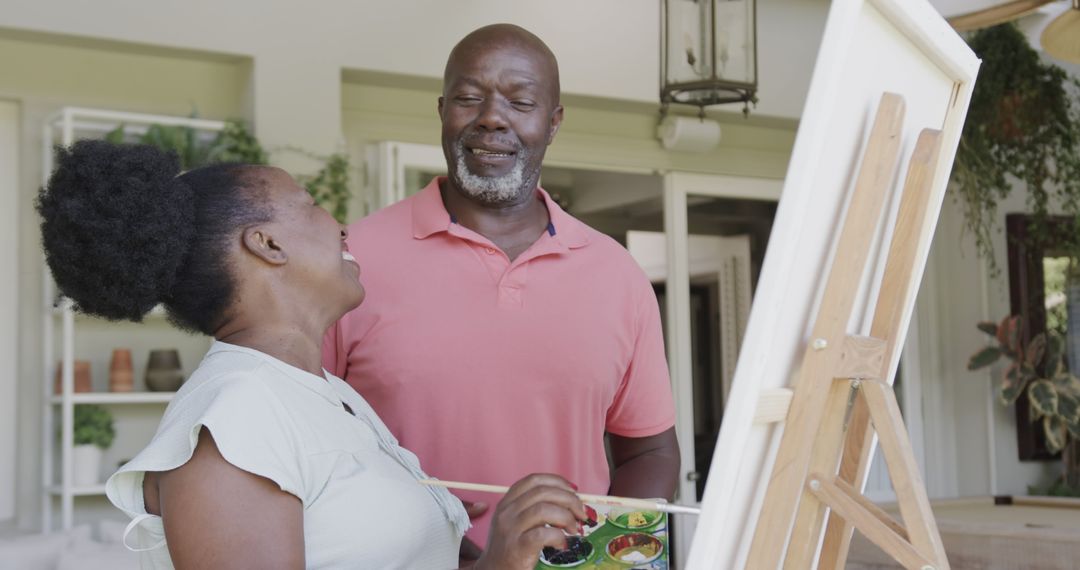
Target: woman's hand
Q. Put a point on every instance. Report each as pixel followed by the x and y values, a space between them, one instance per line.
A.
pixel 533 514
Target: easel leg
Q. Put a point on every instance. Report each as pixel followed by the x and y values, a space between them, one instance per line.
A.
pixel 811 514
pixel 904 470
pixel 902 251
pixel 819 366
pixel 853 467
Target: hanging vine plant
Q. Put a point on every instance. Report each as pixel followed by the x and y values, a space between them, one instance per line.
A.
pixel 1022 131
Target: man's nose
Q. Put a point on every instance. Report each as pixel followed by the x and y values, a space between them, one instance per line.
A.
pixel 492 116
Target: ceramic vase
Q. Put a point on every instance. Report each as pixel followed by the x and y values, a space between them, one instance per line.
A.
pixel 121 376
pixel 163 372
pixel 82 376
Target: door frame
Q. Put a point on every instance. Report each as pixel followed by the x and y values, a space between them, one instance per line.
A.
pixel 390 159
pixel 677 188
pixel 9 295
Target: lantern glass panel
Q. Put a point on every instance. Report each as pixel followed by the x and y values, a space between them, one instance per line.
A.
pixel 708 41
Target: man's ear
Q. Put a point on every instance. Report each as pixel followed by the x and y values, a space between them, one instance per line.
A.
pixel 261 244
pixel 439 108
pixel 556 122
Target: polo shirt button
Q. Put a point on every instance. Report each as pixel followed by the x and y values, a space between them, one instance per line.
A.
pixel 489 251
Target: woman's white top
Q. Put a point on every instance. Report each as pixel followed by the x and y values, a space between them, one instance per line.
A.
pixel 363 507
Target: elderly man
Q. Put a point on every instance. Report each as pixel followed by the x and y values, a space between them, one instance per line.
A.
pixel 501 336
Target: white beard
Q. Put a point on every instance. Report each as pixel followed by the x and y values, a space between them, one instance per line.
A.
pixel 490 189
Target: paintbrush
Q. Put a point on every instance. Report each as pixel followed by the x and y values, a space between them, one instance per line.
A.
pixel 642 504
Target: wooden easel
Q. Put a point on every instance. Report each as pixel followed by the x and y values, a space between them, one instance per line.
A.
pixel 842 387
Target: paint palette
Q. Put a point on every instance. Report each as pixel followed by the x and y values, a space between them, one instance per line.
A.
pixel 620 539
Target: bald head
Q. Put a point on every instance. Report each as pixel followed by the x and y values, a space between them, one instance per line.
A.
pixel 500 110
pixel 482 42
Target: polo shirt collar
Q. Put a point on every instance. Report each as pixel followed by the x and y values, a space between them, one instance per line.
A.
pixel 429 216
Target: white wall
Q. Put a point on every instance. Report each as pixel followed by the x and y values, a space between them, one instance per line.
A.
pixel 970 437
pixel 9 291
pixel 42 76
pixel 606 48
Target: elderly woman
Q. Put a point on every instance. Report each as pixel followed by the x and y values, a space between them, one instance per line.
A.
pixel 262 459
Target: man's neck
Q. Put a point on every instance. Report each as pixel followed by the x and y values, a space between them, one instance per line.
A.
pixel 512 227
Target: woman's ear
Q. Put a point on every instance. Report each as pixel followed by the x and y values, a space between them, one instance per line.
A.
pixel 261 244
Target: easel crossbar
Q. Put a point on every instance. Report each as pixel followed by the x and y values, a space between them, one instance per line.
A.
pixel 876 525
pixel 921 548
pixel 827 428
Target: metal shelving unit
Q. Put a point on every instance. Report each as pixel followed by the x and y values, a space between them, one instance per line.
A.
pixel 65 127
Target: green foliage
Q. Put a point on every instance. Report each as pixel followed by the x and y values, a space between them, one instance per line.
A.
pixel 235 143
pixel 1039 368
pixel 984 357
pixel 1056 489
pixel 1044 398
pixel 1022 127
pixel 1055 279
pixel 93 426
pixel 330 186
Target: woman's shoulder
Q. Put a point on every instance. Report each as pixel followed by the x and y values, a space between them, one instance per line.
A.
pixel 251 425
pixel 230 376
pixel 222 376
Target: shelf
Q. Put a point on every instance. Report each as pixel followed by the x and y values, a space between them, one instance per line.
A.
pixel 68 335
pixel 117 398
pixel 80 491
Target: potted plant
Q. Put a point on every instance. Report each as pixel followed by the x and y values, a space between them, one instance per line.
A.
pixel 1022 131
pixel 93 433
pixel 235 143
pixel 1038 368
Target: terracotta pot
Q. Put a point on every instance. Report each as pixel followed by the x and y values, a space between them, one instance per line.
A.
pixel 163 371
pixel 82 376
pixel 121 376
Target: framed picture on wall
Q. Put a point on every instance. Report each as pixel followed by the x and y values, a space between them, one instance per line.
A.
pixel 1036 293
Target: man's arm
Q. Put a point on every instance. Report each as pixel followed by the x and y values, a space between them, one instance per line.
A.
pixel 646 467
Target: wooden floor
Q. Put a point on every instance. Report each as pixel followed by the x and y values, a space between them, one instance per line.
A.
pixel 979 534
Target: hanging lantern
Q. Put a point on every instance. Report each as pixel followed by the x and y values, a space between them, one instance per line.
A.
pixel 708 52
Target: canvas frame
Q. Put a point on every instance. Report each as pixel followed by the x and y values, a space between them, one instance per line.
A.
pixel 869 47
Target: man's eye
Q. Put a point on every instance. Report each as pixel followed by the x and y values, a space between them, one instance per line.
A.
pixel 523 104
pixel 468 99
